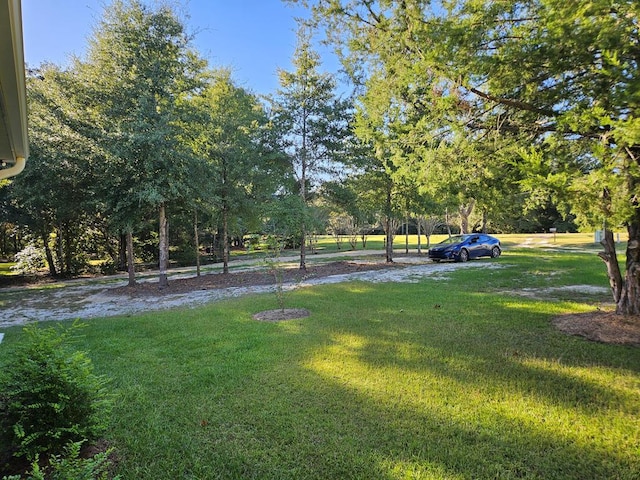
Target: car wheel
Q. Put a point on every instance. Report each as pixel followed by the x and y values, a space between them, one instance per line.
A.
pixel 463 256
pixel 495 252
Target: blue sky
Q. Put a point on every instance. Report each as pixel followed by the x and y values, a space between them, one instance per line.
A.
pixel 252 37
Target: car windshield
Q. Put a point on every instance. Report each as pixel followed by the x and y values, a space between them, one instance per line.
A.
pixel 453 239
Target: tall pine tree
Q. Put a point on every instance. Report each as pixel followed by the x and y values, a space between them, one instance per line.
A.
pixel 312 121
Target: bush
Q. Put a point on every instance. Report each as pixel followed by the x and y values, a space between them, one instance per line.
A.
pixel 108 268
pixel 49 395
pixel 70 466
pixel 29 260
pixel 183 257
pixel 78 263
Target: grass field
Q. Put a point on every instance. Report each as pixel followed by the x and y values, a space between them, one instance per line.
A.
pixel 5 268
pixel 328 244
pixel 451 378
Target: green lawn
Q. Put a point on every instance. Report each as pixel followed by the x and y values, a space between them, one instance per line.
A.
pixel 450 378
pixel 5 268
pixel 327 243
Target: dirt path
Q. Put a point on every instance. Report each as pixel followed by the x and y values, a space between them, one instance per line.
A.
pixel 110 296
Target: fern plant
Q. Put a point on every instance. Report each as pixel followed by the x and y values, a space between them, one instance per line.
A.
pixel 49 395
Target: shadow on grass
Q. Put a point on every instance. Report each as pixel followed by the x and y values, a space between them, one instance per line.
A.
pixel 550 383
pixel 381 382
pixel 434 396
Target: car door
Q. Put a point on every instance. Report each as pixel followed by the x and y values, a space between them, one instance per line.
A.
pixel 484 247
pixel 475 246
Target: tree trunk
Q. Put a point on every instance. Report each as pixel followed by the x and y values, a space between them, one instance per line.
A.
pixel 303 192
pixel 613 268
pixel 388 220
pixel 406 236
pixel 60 251
pixel 303 249
pixel 303 226
pixel 628 302
pixel 465 213
pixel 122 252
pixel 70 269
pixel 47 251
pixel 225 239
pixel 485 220
pixel 389 226
pixel 163 280
pixel 626 292
pixel 419 240
pixel 131 268
pixel 196 241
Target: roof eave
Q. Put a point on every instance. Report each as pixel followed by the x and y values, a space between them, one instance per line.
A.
pixel 13 98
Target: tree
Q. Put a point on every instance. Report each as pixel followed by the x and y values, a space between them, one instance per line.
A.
pixel 562 74
pixel 55 193
pixel 241 170
pixel 139 65
pixel 372 127
pixel 379 197
pixel 312 120
pixel 428 226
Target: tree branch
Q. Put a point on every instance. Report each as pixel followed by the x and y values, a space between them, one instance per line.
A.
pixel 511 103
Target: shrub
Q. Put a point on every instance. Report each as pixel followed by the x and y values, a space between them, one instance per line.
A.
pixel 29 260
pixel 108 268
pixel 49 395
pixel 183 257
pixel 78 263
pixel 70 466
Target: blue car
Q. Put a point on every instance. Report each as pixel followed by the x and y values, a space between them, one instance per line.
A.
pixel 461 248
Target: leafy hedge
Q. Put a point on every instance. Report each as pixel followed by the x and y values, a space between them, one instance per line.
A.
pixel 50 396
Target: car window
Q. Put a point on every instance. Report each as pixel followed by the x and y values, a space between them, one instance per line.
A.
pixel 453 239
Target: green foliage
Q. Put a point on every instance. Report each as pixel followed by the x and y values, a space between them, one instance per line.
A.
pixel 138 66
pixel 54 193
pixel 274 246
pixel 309 115
pixel 29 260
pixel 108 268
pixel 312 122
pixel 50 395
pixel 239 170
pixel 70 466
pixel 458 87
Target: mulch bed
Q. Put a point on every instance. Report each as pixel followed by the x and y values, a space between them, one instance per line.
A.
pixel 601 326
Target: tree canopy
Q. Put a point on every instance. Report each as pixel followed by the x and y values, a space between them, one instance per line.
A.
pixel 558 80
pixel 508 114
pixel 312 120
